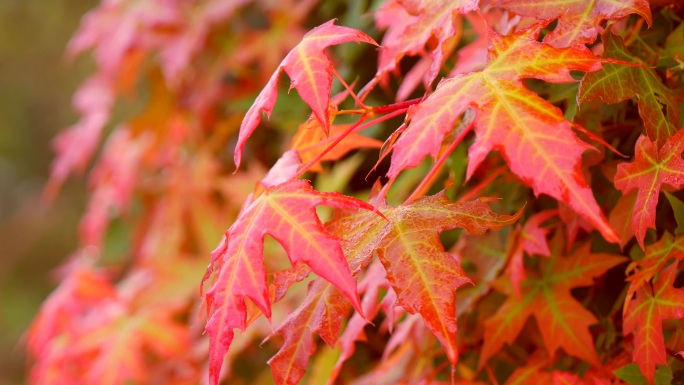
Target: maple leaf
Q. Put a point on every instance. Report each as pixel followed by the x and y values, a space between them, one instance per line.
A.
pixel 287 213
pixel 114 179
pixel 614 83
pixel 562 320
pixel 421 273
pixel 533 135
pixel 408 245
pixel 75 147
pixel 321 312
pixel 645 317
pixel 652 167
pixel 82 288
pixel 658 255
pixel 325 305
pixel 410 24
pixel 311 74
pixel 120 340
pixel 574 222
pixel 115 30
pixel 191 33
pixel 578 20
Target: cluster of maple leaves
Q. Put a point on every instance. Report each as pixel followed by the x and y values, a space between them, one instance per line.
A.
pixel 509 231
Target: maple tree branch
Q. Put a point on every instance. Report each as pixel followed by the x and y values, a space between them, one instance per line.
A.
pixel 634 32
pixel 430 178
pixel 356 129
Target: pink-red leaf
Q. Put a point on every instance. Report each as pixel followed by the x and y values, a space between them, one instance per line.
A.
pixel 422 274
pixel 286 212
pixel 658 255
pixel 578 20
pixel 532 134
pixel 562 320
pixel 652 168
pixel 410 24
pixel 311 74
pixel 645 318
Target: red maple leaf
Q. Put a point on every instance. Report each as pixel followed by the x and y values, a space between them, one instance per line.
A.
pixel 613 83
pixel 287 213
pixel 562 320
pixel 532 134
pixel 578 21
pixel 311 73
pixel 423 276
pixel 410 24
pixel 645 316
pixel 652 168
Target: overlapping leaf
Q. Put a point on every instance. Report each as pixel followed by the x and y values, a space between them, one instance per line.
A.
pixel 374 280
pixel 653 167
pixel 322 313
pixel 410 24
pixel 120 344
pixel 616 82
pixel 325 306
pixel 562 320
pixel 533 135
pixel 578 20
pixel 645 317
pixel 311 74
pixel 421 273
pixel 286 212
pixel 658 255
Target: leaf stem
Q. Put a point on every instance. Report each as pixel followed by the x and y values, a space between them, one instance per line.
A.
pixel 431 177
pixel 351 92
pixel 352 112
pixel 356 127
pixel 480 186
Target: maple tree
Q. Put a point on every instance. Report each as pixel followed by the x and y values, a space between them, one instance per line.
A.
pixel 474 197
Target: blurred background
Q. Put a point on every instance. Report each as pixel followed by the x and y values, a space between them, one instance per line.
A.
pixel 36 85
